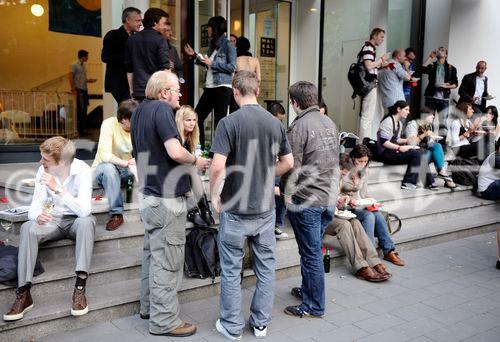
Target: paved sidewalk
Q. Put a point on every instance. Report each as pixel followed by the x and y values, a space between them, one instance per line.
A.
pixel 447 292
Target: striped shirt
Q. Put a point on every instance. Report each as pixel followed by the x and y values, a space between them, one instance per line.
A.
pixel 368 53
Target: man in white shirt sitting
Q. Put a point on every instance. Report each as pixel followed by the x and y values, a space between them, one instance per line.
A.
pixel 60 208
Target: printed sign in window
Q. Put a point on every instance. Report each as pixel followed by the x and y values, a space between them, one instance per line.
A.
pixel 267 47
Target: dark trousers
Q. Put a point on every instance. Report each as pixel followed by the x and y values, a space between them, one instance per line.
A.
pixel 479 149
pixel 413 158
pixel 82 102
pixel 216 99
pixel 121 95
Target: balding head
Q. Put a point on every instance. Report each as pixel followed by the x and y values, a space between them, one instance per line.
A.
pixel 481 67
pixel 164 85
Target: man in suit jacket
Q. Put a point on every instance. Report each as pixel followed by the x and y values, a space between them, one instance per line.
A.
pixel 113 54
pixel 474 88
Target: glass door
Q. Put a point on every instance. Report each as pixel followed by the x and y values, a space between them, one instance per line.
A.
pixel 269 35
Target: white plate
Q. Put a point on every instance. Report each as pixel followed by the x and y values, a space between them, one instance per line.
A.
pixel 345 214
pixel 28 182
pixel 366 202
pixel 436 137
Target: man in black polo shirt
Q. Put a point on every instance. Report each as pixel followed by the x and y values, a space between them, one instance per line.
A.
pixel 113 54
pixel 163 168
pixel 147 52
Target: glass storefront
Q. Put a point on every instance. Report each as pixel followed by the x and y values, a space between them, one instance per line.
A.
pixel 37 51
pixel 347 25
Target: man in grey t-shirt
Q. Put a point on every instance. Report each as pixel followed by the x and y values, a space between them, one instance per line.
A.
pixel 246 146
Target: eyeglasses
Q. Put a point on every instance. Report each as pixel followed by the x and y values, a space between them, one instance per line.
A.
pixel 178 90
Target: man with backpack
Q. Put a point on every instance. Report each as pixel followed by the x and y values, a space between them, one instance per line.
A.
pixel 246 146
pixel 370 103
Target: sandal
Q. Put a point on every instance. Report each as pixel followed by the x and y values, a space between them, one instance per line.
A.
pixel 449 183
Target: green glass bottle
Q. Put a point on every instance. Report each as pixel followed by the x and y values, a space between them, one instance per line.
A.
pixel 130 188
pixel 326 261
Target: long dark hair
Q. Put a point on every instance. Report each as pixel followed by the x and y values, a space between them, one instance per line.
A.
pixel 494 112
pixel 243 47
pixel 219 28
pixel 360 151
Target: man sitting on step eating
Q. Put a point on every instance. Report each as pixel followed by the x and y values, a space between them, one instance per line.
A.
pixel 113 162
pixel 60 208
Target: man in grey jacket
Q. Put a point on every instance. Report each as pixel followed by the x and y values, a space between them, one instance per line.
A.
pixel 311 189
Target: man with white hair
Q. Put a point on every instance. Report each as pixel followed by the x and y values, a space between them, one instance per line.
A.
pixel 163 169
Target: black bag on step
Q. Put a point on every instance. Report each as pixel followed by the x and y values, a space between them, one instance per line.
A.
pixel 464 171
pixel 201 258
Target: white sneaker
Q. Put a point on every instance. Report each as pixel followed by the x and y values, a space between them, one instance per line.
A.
pixel 220 328
pixel 260 332
pixel 279 234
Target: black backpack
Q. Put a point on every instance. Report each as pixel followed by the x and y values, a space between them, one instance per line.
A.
pixel 357 76
pixel 464 171
pixel 201 258
pixel 8 265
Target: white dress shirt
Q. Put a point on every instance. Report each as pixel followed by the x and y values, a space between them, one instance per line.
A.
pixel 75 199
pixel 479 89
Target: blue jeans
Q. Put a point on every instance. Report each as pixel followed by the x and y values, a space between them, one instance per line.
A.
pixel 233 231
pixel 435 155
pixel 109 177
pixel 492 192
pixel 309 225
pixel 280 206
pixel 374 224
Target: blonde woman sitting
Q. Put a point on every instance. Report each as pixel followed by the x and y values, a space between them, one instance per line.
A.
pixel 186 120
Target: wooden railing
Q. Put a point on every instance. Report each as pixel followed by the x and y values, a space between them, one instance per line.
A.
pixel 30 117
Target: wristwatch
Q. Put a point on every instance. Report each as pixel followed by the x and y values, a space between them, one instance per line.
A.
pixel 58 190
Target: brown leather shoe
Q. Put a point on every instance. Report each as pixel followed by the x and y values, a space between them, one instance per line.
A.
pixel 393 257
pixel 369 274
pixel 183 330
pixel 380 268
pixel 80 306
pixel 22 304
pixel 114 222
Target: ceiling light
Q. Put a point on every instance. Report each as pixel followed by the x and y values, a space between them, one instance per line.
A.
pixel 37 10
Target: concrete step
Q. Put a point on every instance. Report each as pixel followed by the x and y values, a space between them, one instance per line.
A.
pixel 112 298
pixel 122 262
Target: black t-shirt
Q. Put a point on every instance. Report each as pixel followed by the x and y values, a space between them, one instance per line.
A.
pixel 252 139
pixel 152 124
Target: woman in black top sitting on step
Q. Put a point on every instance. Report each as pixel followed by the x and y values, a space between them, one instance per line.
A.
pixel 395 150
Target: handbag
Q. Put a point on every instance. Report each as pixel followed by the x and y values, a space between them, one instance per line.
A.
pixel 393 222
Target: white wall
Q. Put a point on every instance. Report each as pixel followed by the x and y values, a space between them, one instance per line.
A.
pixel 305 41
pixel 474 27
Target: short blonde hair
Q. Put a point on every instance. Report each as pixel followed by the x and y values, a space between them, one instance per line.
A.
pixel 157 82
pixel 193 139
pixel 59 148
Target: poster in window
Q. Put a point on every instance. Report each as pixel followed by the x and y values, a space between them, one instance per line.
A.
pixel 75 17
pixel 267 47
pixel 204 36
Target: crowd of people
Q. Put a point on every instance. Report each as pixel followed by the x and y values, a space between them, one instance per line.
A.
pixel 257 171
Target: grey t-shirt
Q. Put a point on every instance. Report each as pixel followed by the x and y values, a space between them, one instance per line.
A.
pixel 252 139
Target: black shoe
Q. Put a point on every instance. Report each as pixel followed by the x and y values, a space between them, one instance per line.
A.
pixel 298 311
pixel 194 216
pixel 144 316
pixel 297 292
pixel 498 264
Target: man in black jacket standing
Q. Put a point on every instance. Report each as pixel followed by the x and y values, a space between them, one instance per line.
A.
pixel 147 52
pixel 442 79
pixel 474 88
pixel 113 54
